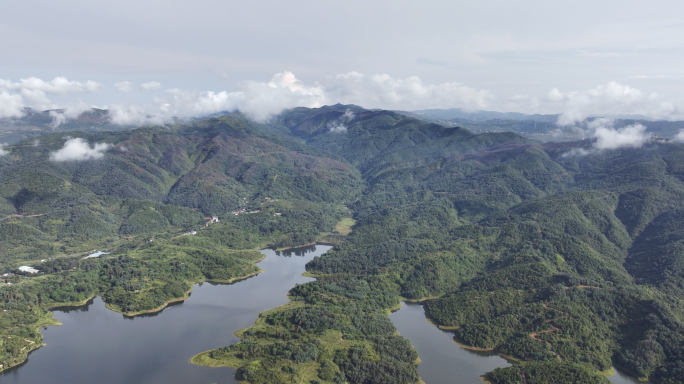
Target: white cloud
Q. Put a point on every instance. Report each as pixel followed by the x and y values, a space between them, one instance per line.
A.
pixel 3 151
pixel 135 115
pixel 612 98
pixel 257 100
pixel 608 137
pixel 123 86
pixel 261 100
pixel 608 99
pixel 58 85
pixel 11 105
pixel 33 92
pixel 69 112
pixel 337 127
pixel 151 86
pixel 384 91
pixel 78 149
pixel 680 136
pixel 57 118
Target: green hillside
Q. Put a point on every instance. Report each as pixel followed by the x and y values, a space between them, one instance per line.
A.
pixel 138 200
pixel 569 264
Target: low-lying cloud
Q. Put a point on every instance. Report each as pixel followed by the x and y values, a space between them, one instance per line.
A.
pixel 33 92
pixel 609 137
pixel 78 149
pixel 262 100
pixel 606 137
pixel 11 105
pixel 3 151
pixel 258 100
pixel 609 99
pixel 73 111
pixel 338 126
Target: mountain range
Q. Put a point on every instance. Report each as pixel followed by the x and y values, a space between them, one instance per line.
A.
pixel 565 256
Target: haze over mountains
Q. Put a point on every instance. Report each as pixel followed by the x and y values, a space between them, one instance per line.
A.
pixel 542 127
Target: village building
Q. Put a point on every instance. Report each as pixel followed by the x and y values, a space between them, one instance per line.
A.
pixel 26 268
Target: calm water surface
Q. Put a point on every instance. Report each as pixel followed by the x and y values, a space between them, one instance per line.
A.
pixel 96 345
pixel 443 361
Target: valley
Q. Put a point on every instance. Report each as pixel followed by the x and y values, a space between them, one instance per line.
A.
pixel 566 262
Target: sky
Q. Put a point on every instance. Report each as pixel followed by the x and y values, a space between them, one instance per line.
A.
pixel 149 60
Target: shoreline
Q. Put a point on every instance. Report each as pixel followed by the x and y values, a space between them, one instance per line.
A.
pixel 47 321
pixel 187 293
pixel 195 360
pixel 516 361
pixel 51 321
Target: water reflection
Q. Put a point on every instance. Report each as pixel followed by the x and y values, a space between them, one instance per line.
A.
pixel 301 251
pixel 96 345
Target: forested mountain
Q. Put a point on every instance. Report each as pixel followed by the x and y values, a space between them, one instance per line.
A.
pixel 35 123
pixel 134 197
pixel 569 261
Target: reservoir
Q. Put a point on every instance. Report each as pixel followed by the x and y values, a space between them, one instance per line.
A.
pixel 96 345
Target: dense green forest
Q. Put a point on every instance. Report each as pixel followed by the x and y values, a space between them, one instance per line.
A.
pixel 569 264
pixel 144 202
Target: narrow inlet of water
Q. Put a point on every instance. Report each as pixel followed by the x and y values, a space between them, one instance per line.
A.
pixel 443 361
pixel 96 345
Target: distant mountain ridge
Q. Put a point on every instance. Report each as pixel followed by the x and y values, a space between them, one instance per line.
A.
pixel 459 113
pixel 481 115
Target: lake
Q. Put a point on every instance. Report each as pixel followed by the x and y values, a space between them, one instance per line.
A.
pixel 96 345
